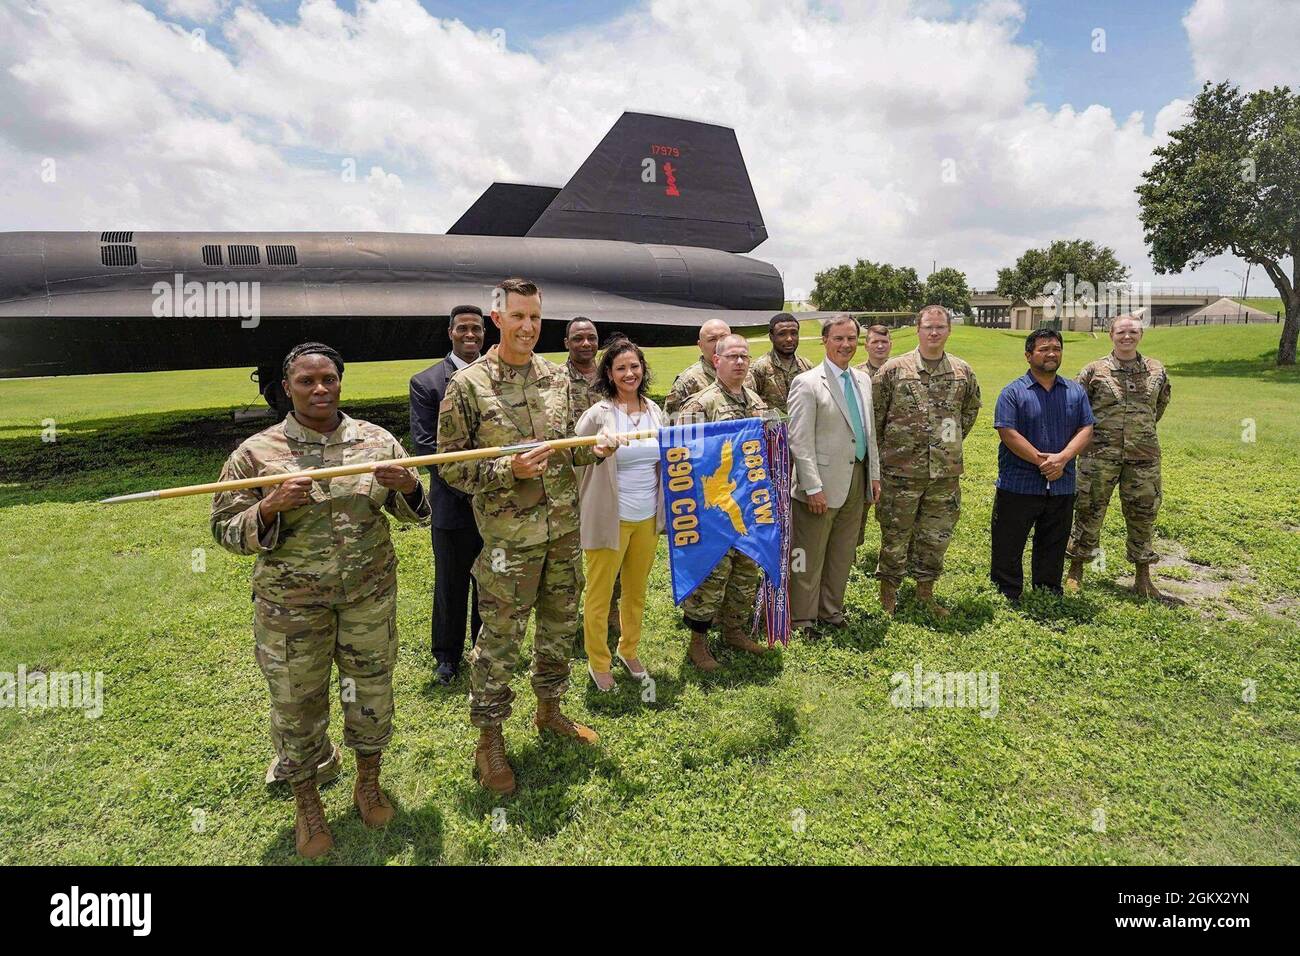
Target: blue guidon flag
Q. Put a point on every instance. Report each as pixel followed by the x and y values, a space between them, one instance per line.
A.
pixel 719 493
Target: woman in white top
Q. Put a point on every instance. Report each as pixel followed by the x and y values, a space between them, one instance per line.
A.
pixel 621 510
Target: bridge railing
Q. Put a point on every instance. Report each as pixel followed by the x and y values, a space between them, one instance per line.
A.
pixel 1181 290
pixel 1138 290
pixel 1227 318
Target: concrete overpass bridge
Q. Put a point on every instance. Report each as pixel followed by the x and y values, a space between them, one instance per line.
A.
pixel 1161 305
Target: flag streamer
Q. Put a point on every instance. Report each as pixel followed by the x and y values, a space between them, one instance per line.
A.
pixel 773 603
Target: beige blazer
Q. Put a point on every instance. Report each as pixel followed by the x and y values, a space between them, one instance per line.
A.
pixel 598 484
pixel 821 435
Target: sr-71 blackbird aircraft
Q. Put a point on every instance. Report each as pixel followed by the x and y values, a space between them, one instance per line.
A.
pixel 645 238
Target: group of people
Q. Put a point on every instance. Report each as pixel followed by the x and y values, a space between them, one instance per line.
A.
pixel 523 534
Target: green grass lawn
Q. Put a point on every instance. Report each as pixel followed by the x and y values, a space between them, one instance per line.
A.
pixel 1126 732
pixel 1270 304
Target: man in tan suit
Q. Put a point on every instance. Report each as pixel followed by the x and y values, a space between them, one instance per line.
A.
pixel 837 475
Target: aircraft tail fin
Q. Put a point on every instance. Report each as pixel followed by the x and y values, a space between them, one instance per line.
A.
pixel 504 209
pixel 658 179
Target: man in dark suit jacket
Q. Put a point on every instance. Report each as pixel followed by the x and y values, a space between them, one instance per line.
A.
pixel 456 541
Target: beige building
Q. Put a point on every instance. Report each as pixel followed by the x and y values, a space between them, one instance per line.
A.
pixel 1033 313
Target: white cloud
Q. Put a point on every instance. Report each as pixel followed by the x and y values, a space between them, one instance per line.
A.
pixel 1253 43
pixel 848 114
pixel 198 11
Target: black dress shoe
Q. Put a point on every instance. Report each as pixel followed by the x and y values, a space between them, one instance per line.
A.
pixel 446 673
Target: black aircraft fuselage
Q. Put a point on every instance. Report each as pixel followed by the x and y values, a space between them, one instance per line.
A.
pixel 382 294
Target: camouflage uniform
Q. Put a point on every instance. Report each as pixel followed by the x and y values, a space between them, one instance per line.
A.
pixel 770 378
pixel 1127 401
pixel 727 595
pixel 583 392
pixel 871 370
pixel 691 380
pixel 324 586
pixel 921 421
pixel 531 558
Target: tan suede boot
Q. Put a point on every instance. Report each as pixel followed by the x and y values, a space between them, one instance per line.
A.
pixel 311 833
pixel 549 717
pixel 490 762
pixel 889 597
pixel 925 595
pixel 698 652
pixel 373 804
pixel 1143 586
pixel 1074 577
pixel 737 638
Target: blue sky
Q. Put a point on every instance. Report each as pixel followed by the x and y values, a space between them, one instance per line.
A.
pixel 1147 61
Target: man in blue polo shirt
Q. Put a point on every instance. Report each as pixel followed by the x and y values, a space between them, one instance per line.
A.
pixel 1044 422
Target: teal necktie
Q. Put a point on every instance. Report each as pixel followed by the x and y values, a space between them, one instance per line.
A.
pixel 855 415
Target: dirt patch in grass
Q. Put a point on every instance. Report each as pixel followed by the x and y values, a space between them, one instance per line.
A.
pixel 1200 585
pixel 1286 608
pixel 1206 587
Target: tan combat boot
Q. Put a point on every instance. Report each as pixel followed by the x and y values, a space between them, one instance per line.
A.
pixel 925 594
pixel 550 718
pixel 889 597
pixel 737 638
pixel 373 804
pixel 1143 586
pixel 698 652
pixel 1074 577
pixel 311 833
pixel 490 762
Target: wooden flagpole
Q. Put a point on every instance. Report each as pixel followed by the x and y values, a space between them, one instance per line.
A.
pixel 319 474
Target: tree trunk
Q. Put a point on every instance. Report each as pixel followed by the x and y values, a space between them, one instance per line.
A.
pixel 1290 328
pixel 1290 293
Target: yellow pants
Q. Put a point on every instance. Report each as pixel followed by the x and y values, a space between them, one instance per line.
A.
pixel 631 564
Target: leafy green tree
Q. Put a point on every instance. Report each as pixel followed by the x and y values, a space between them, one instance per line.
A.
pixel 867 286
pixel 1229 181
pixel 833 290
pixel 947 287
pixel 1036 270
